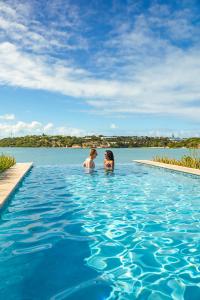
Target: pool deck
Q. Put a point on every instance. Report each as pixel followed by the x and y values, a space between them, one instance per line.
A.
pixel 170 167
pixel 10 179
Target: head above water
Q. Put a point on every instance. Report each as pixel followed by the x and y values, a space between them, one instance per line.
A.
pixel 93 153
pixel 109 155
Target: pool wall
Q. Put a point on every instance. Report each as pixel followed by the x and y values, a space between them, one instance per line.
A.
pixel 10 179
pixel 169 166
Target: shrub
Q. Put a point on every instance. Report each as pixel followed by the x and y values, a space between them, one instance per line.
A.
pixel 190 161
pixel 6 162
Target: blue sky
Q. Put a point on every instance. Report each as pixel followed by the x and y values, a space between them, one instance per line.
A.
pixel 108 67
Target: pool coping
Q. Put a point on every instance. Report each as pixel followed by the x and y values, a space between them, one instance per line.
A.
pixel 10 179
pixel 169 166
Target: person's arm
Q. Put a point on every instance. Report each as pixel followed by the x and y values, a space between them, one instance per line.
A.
pixel 85 163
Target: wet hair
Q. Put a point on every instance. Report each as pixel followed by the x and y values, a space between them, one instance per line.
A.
pixel 93 152
pixel 110 155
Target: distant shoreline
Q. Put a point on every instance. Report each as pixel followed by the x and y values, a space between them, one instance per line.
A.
pixel 99 142
pixel 78 148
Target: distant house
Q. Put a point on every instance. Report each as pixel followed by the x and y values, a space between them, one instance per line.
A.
pixel 107 137
pixel 104 146
pixel 89 145
pixel 76 146
pixel 112 143
pixel 175 139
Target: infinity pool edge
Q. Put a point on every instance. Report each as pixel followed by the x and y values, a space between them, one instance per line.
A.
pixel 10 179
pixel 169 166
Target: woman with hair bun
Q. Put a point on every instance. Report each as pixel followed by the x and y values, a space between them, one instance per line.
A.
pixel 89 162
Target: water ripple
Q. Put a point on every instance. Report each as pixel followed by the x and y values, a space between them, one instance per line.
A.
pixel 132 234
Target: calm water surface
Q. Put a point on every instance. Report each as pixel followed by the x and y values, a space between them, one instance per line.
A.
pixel 71 234
pixel 60 156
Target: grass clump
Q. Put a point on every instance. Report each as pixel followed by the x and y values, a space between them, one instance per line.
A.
pixel 185 161
pixel 190 161
pixel 6 162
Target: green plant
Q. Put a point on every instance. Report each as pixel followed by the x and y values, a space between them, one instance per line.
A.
pixel 190 161
pixel 6 162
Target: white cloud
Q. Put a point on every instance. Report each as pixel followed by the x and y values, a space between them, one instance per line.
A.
pixel 8 117
pixel 160 89
pixel 23 70
pixel 148 73
pixel 113 126
pixel 170 133
pixel 48 127
pixel 20 23
pixel 21 128
pixel 70 131
pixel 7 10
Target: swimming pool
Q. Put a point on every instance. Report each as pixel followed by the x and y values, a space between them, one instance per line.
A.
pixel 131 234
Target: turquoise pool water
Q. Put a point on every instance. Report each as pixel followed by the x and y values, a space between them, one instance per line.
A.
pixel 130 234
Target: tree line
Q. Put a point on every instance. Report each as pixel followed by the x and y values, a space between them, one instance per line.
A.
pixel 98 141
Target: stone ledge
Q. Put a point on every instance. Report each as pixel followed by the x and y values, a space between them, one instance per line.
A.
pixel 10 179
pixel 170 167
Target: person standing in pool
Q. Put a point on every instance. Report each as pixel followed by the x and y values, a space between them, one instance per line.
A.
pixel 89 162
pixel 109 161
